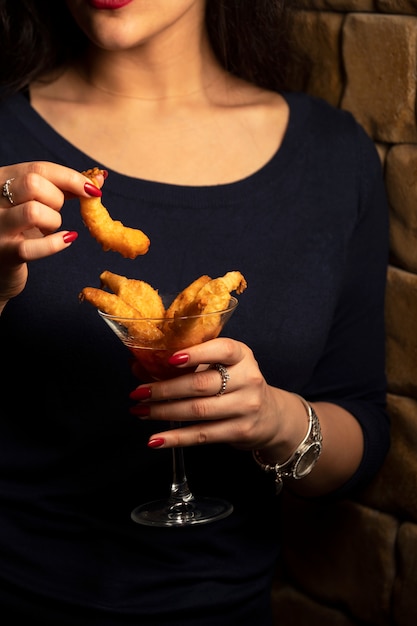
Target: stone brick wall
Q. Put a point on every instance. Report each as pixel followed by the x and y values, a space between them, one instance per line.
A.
pixel 355 562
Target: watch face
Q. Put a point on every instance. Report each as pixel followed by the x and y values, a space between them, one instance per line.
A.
pixel 307 460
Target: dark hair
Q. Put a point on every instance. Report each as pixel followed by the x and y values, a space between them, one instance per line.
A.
pixel 251 38
pixel 40 36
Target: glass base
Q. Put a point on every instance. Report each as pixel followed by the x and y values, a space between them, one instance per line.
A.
pixel 195 511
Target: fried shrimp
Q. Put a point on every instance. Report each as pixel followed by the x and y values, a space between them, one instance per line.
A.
pixel 143 331
pixel 215 295
pixel 178 326
pixel 111 234
pixel 185 303
pixel 137 293
pixel 212 297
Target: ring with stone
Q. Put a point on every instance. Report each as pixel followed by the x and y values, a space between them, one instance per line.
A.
pixel 222 369
pixel 6 190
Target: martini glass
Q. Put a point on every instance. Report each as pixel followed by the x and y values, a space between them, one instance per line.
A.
pixel 152 342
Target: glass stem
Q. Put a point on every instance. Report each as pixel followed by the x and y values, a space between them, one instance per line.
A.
pixel 180 491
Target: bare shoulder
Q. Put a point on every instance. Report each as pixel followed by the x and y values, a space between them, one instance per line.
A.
pixel 262 111
pixel 239 93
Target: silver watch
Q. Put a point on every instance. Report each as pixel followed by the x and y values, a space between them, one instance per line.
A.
pixel 302 461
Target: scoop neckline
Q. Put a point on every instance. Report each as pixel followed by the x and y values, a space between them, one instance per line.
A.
pixel 124 185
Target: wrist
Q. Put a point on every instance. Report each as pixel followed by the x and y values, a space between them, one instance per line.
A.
pixel 301 462
pixel 288 426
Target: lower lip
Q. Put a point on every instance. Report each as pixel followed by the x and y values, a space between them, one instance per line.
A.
pixel 110 5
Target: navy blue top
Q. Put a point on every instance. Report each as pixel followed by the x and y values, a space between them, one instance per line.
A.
pixel 309 231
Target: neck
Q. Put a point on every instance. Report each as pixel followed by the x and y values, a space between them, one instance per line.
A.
pixel 177 93
pixel 137 75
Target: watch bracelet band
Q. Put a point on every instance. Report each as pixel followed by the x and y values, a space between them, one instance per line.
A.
pixel 286 469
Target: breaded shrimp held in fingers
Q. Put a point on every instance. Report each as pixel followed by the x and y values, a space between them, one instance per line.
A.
pixel 111 234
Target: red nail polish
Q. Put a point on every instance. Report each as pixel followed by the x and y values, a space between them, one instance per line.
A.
pixel 141 410
pixel 178 359
pixel 70 236
pixel 141 393
pixel 92 190
pixel 156 443
pixel 105 174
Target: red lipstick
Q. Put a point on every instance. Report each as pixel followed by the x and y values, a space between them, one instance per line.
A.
pixel 109 5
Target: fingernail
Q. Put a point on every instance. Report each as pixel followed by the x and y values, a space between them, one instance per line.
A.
pixel 178 359
pixel 156 443
pixel 141 393
pixel 140 410
pixel 92 190
pixel 70 236
pixel 104 173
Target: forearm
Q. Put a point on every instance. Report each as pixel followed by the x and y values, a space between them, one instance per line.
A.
pixel 342 445
pixel 341 455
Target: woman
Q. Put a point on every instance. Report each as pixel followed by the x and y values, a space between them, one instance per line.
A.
pixel 184 105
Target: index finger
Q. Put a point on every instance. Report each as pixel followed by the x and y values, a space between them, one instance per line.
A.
pixel 29 179
pixel 221 350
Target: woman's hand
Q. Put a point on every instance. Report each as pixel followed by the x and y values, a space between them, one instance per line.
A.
pixel 249 414
pixel 33 195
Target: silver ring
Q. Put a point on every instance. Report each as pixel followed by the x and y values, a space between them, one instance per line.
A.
pixel 6 190
pixel 222 369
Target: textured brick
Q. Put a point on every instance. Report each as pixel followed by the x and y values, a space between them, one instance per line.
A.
pixel 397 6
pixel 394 489
pixel 337 5
pixel 380 55
pixel 382 150
pixel 294 608
pixel 404 596
pixel 401 184
pixel 334 549
pixel 401 332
